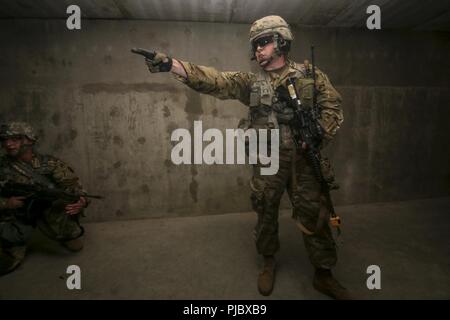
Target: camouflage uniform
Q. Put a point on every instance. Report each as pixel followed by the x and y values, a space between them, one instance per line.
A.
pixel 17 225
pixel 265 93
pixel 295 175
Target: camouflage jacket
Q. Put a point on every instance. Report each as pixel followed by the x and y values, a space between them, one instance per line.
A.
pixel 50 167
pixel 239 85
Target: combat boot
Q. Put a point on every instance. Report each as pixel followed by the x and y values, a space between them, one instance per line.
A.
pixel 10 258
pixel 266 277
pixel 325 283
pixel 74 245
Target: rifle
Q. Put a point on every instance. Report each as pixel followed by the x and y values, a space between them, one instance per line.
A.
pixel 38 197
pixel 37 191
pixel 306 129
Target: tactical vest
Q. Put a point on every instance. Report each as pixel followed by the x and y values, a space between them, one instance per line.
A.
pixel 10 170
pixel 265 109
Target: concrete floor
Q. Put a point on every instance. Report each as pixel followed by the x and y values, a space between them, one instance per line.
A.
pixel 213 257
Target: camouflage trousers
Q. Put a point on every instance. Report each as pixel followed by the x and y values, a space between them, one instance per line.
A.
pixel 53 221
pixel 296 176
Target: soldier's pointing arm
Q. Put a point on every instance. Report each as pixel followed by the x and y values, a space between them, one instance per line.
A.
pixel 222 85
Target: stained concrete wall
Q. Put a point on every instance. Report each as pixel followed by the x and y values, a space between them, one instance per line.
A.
pixel 97 107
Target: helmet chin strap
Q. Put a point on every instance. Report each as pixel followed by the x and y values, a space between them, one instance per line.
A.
pixel 275 44
pixel 276 52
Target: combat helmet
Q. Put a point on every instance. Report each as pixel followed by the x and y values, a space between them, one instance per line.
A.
pixel 272 25
pixel 14 129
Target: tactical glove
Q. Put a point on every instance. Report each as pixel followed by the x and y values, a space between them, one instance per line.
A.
pixel 156 61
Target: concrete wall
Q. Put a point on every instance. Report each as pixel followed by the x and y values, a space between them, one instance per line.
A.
pixel 394 144
pixel 97 107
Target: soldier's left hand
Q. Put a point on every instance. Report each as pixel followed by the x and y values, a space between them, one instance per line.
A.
pixel 76 207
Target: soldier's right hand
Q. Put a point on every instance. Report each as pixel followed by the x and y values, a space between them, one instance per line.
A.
pixel 160 63
pixel 15 202
pixel 156 61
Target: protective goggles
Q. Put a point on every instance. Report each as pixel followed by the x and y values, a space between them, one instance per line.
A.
pixel 262 42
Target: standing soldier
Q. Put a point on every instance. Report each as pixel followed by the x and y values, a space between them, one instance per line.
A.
pixel 270 40
pixel 58 219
